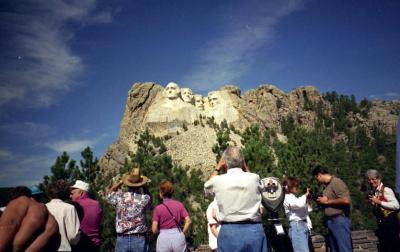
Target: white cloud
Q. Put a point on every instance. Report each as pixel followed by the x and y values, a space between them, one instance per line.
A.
pixel 226 58
pixel 27 129
pixel 392 94
pixel 39 63
pixel 71 146
pixel 21 170
pixel 5 155
pixel 385 96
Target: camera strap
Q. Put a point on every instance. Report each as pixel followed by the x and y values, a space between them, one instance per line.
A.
pixel 173 217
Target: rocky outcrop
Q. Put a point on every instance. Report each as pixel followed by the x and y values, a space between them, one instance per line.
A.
pixel 196 153
pixel 176 112
pixel 383 114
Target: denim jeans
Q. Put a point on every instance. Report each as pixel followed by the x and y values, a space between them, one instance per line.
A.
pixel 242 238
pixel 298 234
pixel 131 243
pixel 339 234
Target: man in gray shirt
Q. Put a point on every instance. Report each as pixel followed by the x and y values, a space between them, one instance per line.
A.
pixel 238 194
pixel 336 204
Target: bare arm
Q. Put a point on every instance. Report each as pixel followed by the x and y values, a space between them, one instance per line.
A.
pixel 33 224
pixel 49 240
pixel 154 227
pixel 339 201
pixel 214 230
pixel 221 166
pixel 186 226
pixel 114 187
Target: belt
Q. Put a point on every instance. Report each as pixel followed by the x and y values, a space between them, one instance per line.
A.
pixel 136 234
pixel 335 216
pixel 298 221
pixel 240 222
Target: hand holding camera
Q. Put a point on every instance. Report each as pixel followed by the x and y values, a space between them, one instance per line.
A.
pixel 314 196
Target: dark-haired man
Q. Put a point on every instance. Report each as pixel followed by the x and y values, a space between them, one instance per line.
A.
pixel 19 191
pixel 336 204
pixel 26 225
pixel 64 213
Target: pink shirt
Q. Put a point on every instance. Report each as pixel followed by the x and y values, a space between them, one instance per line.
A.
pixel 164 218
pixel 90 216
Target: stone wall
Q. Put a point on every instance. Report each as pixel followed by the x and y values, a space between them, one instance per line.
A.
pixel 363 241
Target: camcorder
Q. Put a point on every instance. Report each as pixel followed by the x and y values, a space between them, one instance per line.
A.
pixel 368 189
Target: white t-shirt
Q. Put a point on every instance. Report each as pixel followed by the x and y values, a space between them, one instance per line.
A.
pixel 296 208
pixel 68 223
pixel 212 240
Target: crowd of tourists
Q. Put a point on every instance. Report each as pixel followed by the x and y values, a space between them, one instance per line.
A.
pixel 234 216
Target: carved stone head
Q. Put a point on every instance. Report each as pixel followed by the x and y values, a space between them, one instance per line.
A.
pixel 187 95
pixel 172 91
pixel 199 102
pixel 214 99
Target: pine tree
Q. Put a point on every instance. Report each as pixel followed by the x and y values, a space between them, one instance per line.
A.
pixel 223 138
pixel 89 166
pixel 257 150
pixel 64 168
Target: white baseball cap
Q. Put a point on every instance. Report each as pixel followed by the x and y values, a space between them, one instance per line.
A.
pixel 79 184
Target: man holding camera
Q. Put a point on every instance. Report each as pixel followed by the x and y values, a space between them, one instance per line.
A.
pixel 238 194
pixel 336 206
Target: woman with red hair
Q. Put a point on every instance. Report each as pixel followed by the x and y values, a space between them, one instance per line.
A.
pixel 168 218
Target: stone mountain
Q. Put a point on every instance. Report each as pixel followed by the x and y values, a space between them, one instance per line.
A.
pixel 179 114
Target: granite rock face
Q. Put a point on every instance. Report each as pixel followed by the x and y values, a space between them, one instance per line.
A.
pixel 181 115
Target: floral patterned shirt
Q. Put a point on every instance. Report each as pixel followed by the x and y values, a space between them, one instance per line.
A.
pixel 130 208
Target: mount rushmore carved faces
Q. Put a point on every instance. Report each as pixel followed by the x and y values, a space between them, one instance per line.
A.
pixel 172 91
pixel 187 95
pixel 198 102
pixel 213 99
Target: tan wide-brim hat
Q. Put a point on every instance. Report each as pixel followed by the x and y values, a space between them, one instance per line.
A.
pixel 134 179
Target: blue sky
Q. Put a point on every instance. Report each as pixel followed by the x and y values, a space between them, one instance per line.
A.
pixel 66 66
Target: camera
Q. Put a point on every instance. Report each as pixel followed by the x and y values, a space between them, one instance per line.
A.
pixel 369 190
pixel 314 196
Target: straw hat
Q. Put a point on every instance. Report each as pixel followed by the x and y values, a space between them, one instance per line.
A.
pixel 134 179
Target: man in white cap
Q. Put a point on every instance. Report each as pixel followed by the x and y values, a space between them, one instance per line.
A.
pixel 90 215
pixel 130 220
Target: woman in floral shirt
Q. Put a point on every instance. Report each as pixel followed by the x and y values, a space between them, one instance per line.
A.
pixel 130 222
